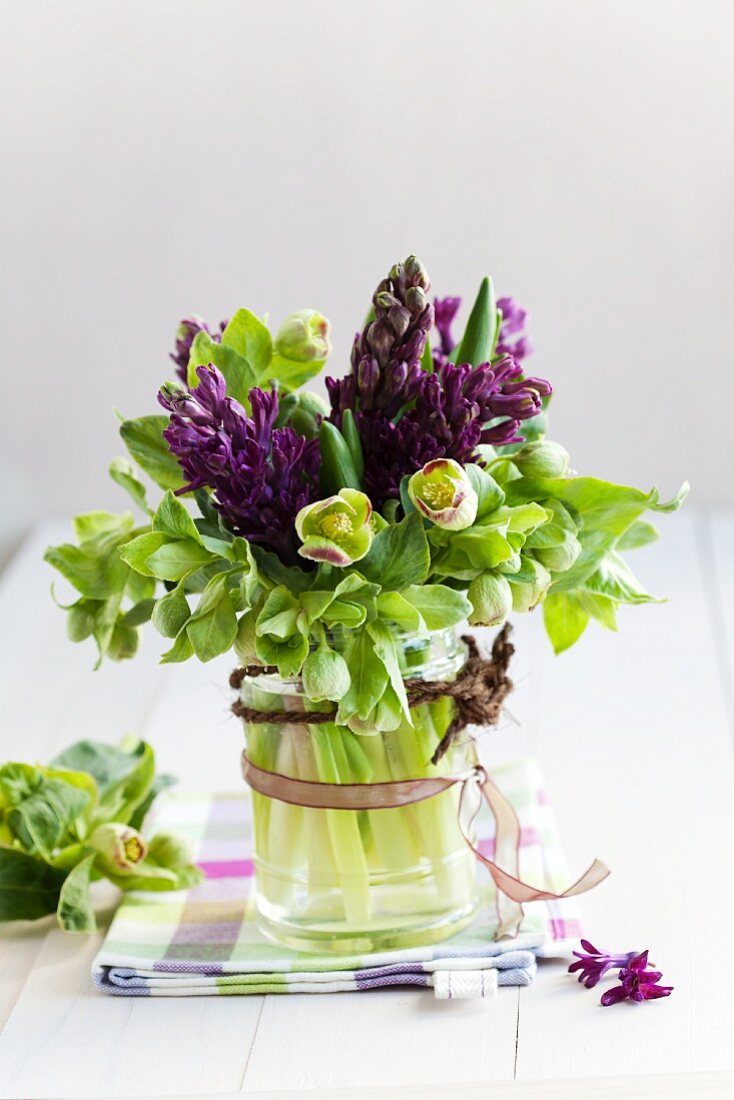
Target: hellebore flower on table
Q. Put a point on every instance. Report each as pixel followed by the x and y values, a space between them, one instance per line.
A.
pixel 185 335
pixel 336 530
pixel 304 337
pixel 443 493
pixel 119 847
pixel 637 983
pixel 261 476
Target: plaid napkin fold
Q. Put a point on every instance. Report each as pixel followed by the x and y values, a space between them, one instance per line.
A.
pixel 204 941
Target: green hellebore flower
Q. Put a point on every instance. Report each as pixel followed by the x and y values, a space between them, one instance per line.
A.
pixel 304 337
pixel 336 530
pixel 528 594
pixel 542 459
pixel 325 675
pixel 443 493
pixel 119 847
pixel 491 599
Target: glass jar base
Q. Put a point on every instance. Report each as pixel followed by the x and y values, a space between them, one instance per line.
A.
pixel 340 940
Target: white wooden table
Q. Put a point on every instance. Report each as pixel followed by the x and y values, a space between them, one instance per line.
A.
pixel 634 734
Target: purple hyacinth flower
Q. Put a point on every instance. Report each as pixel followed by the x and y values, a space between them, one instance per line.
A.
pixel 512 340
pixel 445 310
pixel 260 476
pixel 637 983
pixel 593 964
pixel 185 335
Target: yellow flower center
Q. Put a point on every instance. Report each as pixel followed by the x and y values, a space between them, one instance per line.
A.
pixel 336 525
pixel 438 495
pixel 133 850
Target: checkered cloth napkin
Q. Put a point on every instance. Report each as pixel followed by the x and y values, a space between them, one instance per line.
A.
pixel 204 941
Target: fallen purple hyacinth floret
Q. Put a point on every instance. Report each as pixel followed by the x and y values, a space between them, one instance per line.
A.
pixel 636 982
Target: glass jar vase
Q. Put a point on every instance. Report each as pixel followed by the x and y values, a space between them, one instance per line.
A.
pixel 354 881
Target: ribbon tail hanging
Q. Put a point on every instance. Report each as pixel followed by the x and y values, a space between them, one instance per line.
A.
pixel 505 868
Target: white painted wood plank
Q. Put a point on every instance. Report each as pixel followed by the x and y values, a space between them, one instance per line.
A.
pixel 20 943
pixel 634 745
pixel 392 1037
pixel 716 544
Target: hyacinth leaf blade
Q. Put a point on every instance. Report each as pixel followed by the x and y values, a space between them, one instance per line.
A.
pixel 143 438
pixel 480 333
pixel 350 432
pixel 338 470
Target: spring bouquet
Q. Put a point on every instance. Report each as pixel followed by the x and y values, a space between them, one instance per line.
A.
pixel 337 548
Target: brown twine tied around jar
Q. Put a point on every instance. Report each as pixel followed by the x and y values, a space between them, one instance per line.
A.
pixel 478 693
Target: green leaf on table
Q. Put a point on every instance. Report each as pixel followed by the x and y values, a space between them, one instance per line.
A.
pixel 74 912
pixel 29 888
pixel 160 783
pixel 438 605
pixel 50 816
pixel 399 555
pixel 123 777
pixel 143 438
pixel 239 376
pixel 122 473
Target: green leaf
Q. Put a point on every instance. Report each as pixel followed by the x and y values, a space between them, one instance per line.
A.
pixel 160 783
pixel 46 820
pixel 397 608
pixel 288 654
pixel 384 642
pixel 479 336
pixel 293 578
pixel 123 776
pixel 439 606
pixel 640 533
pixel 279 615
pixel 214 632
pixel 181 650
pixel 173 518
pixel 136 552
pixel 123 474
pixel 489 494
pixel 174 560
pixel 565 619
pixel 427 358
pixel 368 675
pixel 399 555
pixel 615 579
pixel 338 470
pixel 171 612
pixel 29 888
pixel 239 376
pixel 139 613
pixel 249 337
pixel 75 913
pixel 353 441
pixel 290 375
pixel 92 526
pixel 601 608
pixel 97 573
pixel 143 438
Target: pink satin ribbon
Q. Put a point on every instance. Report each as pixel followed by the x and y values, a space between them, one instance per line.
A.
pixel 476 786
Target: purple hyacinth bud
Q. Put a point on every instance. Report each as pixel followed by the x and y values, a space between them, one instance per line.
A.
pixel 514 319
pixel 185 335
pixel 445 313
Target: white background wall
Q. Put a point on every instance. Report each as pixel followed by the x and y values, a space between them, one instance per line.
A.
pixel 160 157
